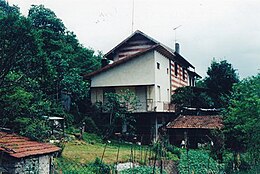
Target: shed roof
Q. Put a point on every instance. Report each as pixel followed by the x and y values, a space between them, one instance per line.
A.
pixel 18 146
pixel 197 122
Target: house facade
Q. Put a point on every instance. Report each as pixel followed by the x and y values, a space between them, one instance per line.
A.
pixel 150 70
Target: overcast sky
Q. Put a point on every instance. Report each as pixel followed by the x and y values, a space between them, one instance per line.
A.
pixel 220 29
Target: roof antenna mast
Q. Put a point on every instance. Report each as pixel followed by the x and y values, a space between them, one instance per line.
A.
pixel 175 39
pixel 133 11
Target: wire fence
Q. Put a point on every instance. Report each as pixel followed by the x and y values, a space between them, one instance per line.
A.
pixel 148 159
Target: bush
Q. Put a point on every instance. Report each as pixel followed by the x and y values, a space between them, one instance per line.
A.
pixel 100 167
pixel 174 150
pixel 141 170
pixel 199 162
pixel 91 138
pixel 91 126
pixel 35 129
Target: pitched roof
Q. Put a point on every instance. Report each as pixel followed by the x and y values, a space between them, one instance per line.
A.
pixel 166 51
pixel 18 146
pixel 199 122
pixel 119 62
pixel 137 32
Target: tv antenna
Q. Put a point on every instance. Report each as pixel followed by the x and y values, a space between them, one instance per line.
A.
pixel 175 32
pixel 133 11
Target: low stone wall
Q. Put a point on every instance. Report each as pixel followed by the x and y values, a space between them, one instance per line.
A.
pixel 32 165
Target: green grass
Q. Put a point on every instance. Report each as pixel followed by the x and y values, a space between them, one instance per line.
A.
pixel 92 147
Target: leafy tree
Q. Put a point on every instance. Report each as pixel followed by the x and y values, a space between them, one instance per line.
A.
pixel 220 79
pixel 191 97
pixel 44 18
pixel 242 117
pixel 17 44
pixel 119 106
pixel 39 60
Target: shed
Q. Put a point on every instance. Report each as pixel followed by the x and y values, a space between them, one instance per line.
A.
pixel 196 128
pixel 21 155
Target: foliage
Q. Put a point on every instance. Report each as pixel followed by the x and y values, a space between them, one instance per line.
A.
pixel 92 138
pixel 40 63
pixel 141 170
pixel 198 161
pixel 100 167
pixel 211 91
pixel 220 79
pixel 16 34
pixel 191 97
pixel 119 106
pixel 34 128
pixel 91 126
pixel 242 117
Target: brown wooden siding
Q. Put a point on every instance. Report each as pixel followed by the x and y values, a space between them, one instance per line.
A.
pixel 133 46
pixel 178 81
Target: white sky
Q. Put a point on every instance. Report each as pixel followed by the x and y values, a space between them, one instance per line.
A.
pixel 224 29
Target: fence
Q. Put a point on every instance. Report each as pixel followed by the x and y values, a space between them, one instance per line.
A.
pixel 152 159
pixel 148 160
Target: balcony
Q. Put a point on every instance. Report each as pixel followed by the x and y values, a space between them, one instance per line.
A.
pixel 155 106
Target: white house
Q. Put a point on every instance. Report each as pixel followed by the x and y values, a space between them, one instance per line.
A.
pixel 151 70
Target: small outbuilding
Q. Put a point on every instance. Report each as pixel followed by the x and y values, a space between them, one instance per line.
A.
pixel 19 154
pixel 195 129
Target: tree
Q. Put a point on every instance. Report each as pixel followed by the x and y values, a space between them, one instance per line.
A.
pixel 242 117
pixel 221 77
pixel 119 106
pixel 39 61
pixel 191 97
pixel 17 45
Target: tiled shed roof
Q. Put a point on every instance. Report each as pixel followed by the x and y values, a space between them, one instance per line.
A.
pixel 19 147
pixel 199 122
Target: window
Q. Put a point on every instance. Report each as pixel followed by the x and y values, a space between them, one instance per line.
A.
pixel 158 65
pixel 167 70
pixel 159 93
pixel 176 68
pixel 183 73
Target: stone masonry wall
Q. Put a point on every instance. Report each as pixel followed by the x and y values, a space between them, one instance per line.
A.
pixel 29 165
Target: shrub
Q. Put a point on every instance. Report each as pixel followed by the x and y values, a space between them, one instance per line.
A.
pixel 100 167
pixel 199 162
pixel 91 138
pixel 141 170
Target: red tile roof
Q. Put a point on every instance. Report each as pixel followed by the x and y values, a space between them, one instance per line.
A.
pixel 199 122
pixel 19 147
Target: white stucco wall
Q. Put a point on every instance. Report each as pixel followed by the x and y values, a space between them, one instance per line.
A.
pixel 96 95
pixel 131 75
pixel 162 80
pixel 139 71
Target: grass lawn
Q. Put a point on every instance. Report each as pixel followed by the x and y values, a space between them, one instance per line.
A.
pixel 88 151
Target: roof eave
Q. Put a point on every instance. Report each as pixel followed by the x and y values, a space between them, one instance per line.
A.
pixel 128 38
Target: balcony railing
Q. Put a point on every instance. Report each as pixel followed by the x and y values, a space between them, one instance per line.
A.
pixel 149 106
pixel 155 106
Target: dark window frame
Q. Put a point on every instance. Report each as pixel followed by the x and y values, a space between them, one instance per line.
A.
pixel 176 69
pixel 158 65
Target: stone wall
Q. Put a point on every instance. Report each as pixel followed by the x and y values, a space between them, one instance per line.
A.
pixel 32 165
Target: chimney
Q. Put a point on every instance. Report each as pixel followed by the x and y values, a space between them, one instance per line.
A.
pixel 177 48
pixel 104 62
